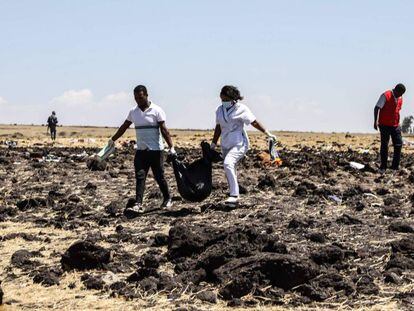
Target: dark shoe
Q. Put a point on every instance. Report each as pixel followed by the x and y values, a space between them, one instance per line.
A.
pixel 134 211
pixel 167 203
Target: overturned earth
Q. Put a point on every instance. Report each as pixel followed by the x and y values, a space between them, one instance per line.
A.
pixel 314 232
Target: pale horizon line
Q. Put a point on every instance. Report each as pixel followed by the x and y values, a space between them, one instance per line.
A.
pixel 191 129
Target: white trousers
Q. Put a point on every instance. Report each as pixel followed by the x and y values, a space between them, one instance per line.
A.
pixel 231 157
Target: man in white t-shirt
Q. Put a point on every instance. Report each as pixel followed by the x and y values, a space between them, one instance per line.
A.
pixel 149 121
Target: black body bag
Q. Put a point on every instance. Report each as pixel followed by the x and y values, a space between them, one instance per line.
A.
pixel 194 180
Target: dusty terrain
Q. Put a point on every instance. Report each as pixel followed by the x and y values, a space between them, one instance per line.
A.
pixel 314 233
pixel 70 136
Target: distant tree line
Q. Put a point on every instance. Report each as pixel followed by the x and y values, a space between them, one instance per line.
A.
pixel 407 125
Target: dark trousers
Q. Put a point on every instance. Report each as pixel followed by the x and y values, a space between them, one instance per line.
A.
pixel 53 133
pixel 144 159
pixel 395 133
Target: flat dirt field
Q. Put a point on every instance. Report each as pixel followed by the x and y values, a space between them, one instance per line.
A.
pixel 312 234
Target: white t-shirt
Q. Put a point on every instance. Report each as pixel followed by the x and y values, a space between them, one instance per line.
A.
pixel 147 126
pixel 232 123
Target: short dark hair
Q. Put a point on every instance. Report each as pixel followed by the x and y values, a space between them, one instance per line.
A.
pixel 231 92
pixel 140 88
pixel 400 87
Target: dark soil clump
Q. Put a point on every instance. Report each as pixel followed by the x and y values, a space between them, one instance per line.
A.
pixel 85 255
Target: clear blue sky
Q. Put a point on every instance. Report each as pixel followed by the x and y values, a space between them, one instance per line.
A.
pixel 301 65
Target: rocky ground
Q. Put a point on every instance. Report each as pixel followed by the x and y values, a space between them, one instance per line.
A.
pixel 314 233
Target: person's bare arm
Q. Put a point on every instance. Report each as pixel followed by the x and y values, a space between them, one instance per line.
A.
pixel 166 134
pixel 380 104
pixel 121 130
pixel 256 124
pixel 376 110
pixel 217 133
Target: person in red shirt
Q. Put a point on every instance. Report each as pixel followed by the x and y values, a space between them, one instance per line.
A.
pixel 387 119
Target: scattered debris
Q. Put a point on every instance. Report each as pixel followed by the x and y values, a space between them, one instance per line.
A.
pixel 335 199
pixel 299 236
pixel 10 143
pixel 356 165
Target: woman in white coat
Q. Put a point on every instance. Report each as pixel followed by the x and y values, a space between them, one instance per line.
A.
pixel 231 119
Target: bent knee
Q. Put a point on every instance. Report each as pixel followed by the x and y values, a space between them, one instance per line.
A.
pixel 398 143
pixel 228 164
pixel 140 174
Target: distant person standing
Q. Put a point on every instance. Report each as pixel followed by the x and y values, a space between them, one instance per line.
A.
pixel 149 120
pixel 388 122
pixel 52 122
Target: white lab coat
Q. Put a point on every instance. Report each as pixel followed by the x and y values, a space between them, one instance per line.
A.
pixel 234 139
pixel 232 123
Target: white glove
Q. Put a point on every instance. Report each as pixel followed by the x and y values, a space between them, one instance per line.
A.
pixel 270 135
pixel 111 143
pixel 213 146
pixel 172 151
